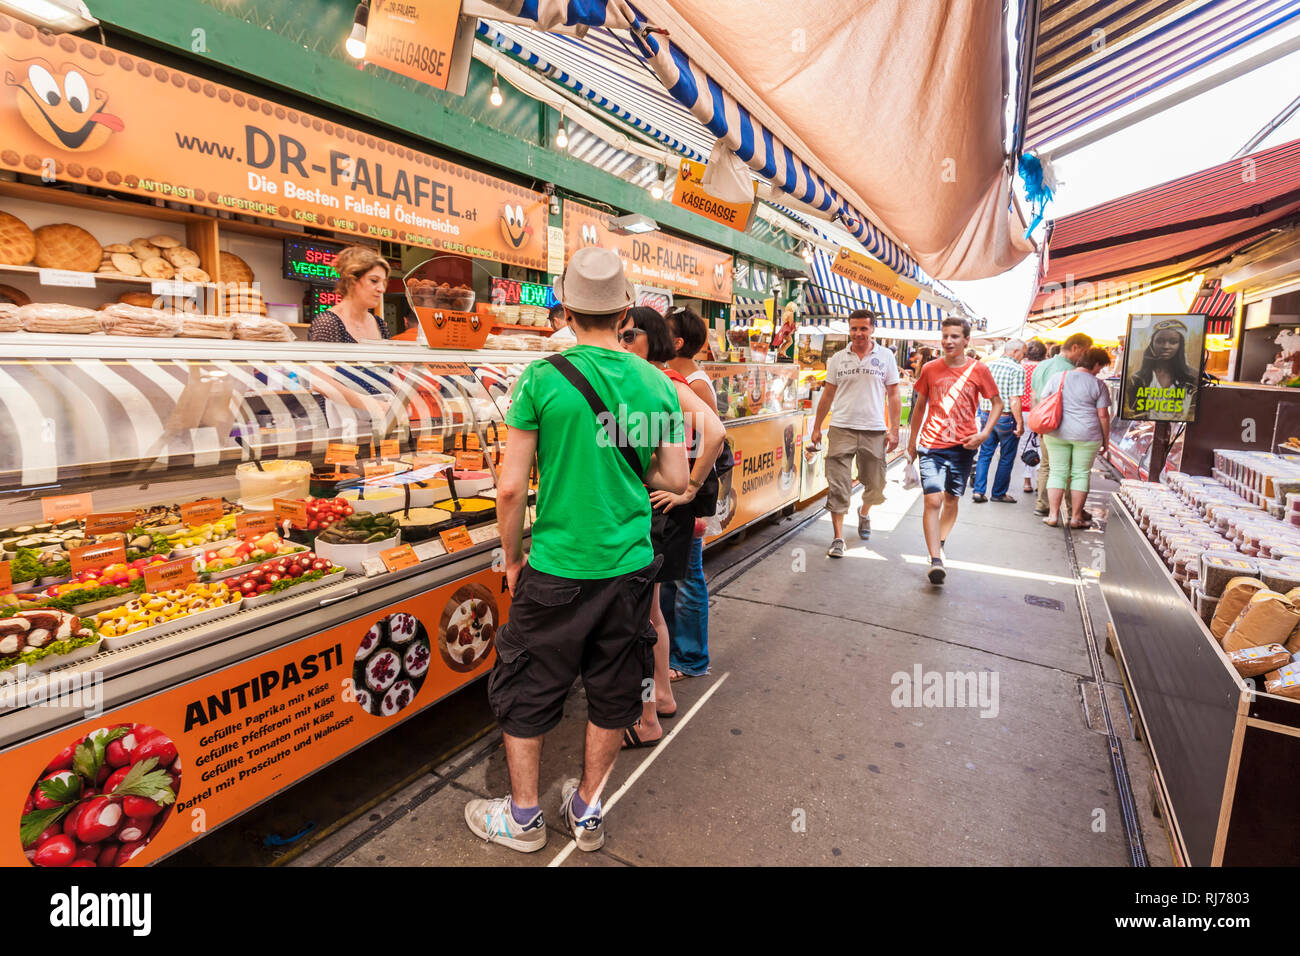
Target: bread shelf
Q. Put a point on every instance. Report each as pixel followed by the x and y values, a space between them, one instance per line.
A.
pixel 530 329
pixel 108 277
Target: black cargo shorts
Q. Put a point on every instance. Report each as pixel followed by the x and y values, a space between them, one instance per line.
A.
pixel 561 628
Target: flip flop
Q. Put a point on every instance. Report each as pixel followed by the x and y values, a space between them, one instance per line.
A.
pixel 1052 524
pixel 632 742
pixel 662 716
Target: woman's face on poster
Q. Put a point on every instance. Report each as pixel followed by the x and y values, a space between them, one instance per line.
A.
pixel 1165 344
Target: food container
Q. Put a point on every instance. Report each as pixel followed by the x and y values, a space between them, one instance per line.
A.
pixel 1218 569
pixel 354 556
pixel 279 478
pixel 294 591
pixel 473 511
pixel 169 627
pixel 326 483
pixel 376 500
pixel 1280 576
pixel 421 524
pixel 52 661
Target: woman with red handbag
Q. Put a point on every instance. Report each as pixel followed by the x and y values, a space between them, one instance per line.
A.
pixel 1082 429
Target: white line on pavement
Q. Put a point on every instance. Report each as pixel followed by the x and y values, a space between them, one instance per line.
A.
pixel 681 724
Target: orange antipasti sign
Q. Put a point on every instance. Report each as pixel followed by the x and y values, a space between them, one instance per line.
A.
pixel 202 512
pixel 402 556
pixel 109 522
pixel 456 539
pixel 173 574
pixel 338 453
pixel 159 133
pixel 689 193
pixel 254 522
pixel 91 556
pixel 652 258
pixel 413 37
pixel 873 275
pixel 65 507
pixel 292 511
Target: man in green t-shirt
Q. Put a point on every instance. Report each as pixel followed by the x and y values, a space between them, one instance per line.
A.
pixel 1072 352
pixel 581 599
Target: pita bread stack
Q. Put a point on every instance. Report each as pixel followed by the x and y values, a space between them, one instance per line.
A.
pixel 9 321
pixel 157 257
pixel 56 317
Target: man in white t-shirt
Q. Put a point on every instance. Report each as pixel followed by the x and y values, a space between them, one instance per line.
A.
pixel 859 381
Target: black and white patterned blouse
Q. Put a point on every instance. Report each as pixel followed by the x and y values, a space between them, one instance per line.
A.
pixel 328 327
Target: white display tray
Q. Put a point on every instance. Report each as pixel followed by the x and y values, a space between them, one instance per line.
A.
pixel 297 589
pixel 168 627
pixel 53 661
pixel 250 565
pixel 353 556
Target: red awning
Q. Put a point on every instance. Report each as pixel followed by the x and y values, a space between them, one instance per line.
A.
pixel 1218 306
pixel 1171 229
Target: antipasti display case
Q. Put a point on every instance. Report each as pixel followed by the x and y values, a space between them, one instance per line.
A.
pixel 227 564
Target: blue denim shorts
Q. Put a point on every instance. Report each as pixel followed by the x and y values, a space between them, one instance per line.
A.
pixel 945 470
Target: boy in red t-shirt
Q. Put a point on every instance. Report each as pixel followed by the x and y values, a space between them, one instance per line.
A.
pixel 946 430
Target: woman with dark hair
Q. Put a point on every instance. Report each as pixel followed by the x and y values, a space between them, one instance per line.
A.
pixel 686 601
pixel 1164 365
pixel 1083 432
pixel 645 333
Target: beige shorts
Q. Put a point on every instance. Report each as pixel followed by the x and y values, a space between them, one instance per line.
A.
pixel 844 446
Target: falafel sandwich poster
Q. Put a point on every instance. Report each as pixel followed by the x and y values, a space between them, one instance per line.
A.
pixel 76 111
pixel 1162 368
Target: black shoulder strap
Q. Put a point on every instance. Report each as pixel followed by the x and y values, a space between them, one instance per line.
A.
pixel 603 415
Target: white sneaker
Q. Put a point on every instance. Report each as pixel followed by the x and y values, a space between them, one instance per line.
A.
pixel 836 550
pixel 589 832
pixel 492 820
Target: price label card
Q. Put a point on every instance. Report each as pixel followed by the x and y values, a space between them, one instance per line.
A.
pixel 428 443
pixel 337 453
pixel 173 574
pixel 469 460
pixel 183 290
pixel 202 512
pixel 67 278
pixel 109 522
pixel 6 578
pixel 91 556
pixel 254 522
pixel 390 448
pixel 64 507
pixel 402 556
pixel 456 539
pixel 292 511
pixel 471 442
pixel 375 469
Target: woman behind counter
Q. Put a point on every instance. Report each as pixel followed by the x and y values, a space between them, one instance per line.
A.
pixel 363 277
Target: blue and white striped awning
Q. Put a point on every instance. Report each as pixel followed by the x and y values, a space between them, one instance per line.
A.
pixel 745 309
pixel 601 68
pixel 831 294
pixel 1095 60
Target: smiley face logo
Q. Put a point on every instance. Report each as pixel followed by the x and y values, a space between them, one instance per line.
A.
pixel 61 107
pixel 514 227
pixel 589 236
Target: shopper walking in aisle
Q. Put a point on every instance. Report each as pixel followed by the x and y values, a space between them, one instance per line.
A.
pixel 1035 352
pixel 646 334
pixel 1009 375
pixel 945 431
pixel 860 380
pixel 582 597
pixel 685 603
pixel 1084 430
pixel 1070 354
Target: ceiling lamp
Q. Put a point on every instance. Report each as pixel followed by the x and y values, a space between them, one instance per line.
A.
pixel 356 41
pixel 56 16
pixel 807 252
pixel 632 224
pixel 657 187
pixel 562 135
pixel 495 98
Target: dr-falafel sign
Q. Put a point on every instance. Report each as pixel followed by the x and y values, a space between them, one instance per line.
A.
pixel 88 114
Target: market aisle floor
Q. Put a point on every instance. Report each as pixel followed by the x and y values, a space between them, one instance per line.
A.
pixel 810 750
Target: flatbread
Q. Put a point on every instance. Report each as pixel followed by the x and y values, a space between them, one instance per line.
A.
pixel 17 242
pixel 126 264
pixel 164 242
pixel 158 268
pixel 180 257
pixel 235 269
pixel 113 247
pixel 194 274
pixel 145 249
pixel 65 246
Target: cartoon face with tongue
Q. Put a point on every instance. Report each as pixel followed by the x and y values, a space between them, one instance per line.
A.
pixel 61 107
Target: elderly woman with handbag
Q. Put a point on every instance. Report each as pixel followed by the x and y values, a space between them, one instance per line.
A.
pixel 1074 422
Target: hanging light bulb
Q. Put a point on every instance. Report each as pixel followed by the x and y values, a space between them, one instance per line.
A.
pixel 495 98
pixel 356 41
pixel 807 253
pixel 657 186
pixel 562 135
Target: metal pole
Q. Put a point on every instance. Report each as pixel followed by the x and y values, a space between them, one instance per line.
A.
pixel 1287 112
